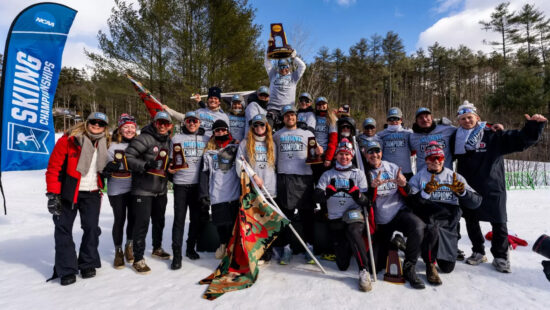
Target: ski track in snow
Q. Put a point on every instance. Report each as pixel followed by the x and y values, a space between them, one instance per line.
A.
pixel 27 256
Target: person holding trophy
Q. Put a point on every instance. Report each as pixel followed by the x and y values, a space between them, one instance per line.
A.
pixel 148 158
pixel 119 189
pixel 187 149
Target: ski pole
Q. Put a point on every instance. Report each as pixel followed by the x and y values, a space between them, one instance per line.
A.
pixel 369 238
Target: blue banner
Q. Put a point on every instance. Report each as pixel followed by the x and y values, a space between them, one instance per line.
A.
pixel 32 63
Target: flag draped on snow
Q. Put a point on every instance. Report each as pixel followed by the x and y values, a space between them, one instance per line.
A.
pixel 255 228
pixel 152 104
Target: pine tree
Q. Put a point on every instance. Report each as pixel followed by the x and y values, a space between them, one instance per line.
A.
pixel 501 22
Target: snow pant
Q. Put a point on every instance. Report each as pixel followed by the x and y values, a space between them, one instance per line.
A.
pixel 122 209
pixel 186 197
pixel 296 192
pixel 223 217
pixel 430 247
pixel 148 207
pixel 347 240
pixel 410 225
pixel 499 243
pixel 66 261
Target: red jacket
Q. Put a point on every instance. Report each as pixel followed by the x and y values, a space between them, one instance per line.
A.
pixel 61 175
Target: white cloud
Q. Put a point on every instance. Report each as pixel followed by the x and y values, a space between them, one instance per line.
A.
pixel 446 5
pixel 463 27
pixel 345 2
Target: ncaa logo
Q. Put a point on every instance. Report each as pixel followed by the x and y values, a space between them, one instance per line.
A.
pixel 27 139
pixel 44 20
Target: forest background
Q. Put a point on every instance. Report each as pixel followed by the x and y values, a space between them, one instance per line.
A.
pixel 176 48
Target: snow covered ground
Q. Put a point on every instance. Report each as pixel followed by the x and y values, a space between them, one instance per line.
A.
pixel 27 255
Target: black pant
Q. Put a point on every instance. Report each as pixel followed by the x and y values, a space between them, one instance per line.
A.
pixel 348 240
pixel 148 207
pixel 122 208
pixel 223 216
pixel 430 246
pixel 306 218
pixel 66 262
pixel 499 243
pixel 186 196
pixel 407 223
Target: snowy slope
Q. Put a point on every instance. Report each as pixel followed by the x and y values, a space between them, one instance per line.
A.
pixel 27 255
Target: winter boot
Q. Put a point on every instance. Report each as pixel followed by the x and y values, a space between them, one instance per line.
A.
pixel 286 256
pixel 399 242
pixel 309 259
pixel 119 258
pixel 266 257
pixel 502 265
pixel 160 254
pixel 141 267
pixel 476 259
pixel 409 273
pixel 176 260
pixel 432 275
pixel 192 254
pixel 68 279
pixel 460 255
pixel 365 284
pixel 220 252
pixel 129 253
pixel 87 273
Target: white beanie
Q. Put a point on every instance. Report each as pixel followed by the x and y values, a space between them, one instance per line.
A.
pixel 465 108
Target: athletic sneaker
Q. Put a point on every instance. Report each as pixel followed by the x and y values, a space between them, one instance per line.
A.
pixel 329 257
pixel 309 259
pixel 365 284
pixel 502 265
pixel 287 255
pixel 476 259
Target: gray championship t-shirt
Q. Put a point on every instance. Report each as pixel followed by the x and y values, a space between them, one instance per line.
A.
pixel 395 147
pixel 442 194
pixel 193 146
pixel 442 134
pixel 292 151
pixel 237 126
pixel 388 199
pixel 223 186
pixel 282 88
pixel 322 130
pixel 117 186
pixel 208 117
pixel 261 166
pixel 340 202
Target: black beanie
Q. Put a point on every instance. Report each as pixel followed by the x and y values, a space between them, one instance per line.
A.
pixel 215 92
pixel 219 124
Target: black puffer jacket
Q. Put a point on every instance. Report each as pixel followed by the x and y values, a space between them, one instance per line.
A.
pixel 142 149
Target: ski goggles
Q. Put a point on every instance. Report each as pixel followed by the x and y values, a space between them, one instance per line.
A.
pixel 97 122
pixel 433 158
pixel 191 121
pixel 466 111
pixel 220 130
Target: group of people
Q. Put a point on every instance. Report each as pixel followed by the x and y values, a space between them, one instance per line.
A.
pixel 273 133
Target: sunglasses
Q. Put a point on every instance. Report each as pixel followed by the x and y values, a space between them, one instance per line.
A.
pixel 220 130
pixel 263 95
pixel 305 100
pixel 369 127
pixel 373 151
pixel 283 67
pixel 393 119
pixel 97 122
pixel 256 125
pixel 435 158
pixel 163 123
pixel 191 121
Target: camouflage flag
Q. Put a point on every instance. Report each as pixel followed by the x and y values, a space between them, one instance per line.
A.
pixel 152 103
pixel 255 229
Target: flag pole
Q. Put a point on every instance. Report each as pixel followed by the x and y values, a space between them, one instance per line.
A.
pixel 369 239
pixel 278 210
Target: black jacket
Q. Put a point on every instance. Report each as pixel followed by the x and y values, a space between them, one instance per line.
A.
pixel 484 167
pixel 142 149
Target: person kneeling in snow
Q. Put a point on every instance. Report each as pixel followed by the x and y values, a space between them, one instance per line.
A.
pixel 436 196
pixel 343 189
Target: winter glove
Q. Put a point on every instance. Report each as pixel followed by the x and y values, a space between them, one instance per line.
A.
pixel 302 125
pixel 353 190
pixel 431 186
pixel 54 203
pixel 331 189
pixel 150 164
pixel 457 187
pixel 111 167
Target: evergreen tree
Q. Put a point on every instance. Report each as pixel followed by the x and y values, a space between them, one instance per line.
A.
pixel 501 22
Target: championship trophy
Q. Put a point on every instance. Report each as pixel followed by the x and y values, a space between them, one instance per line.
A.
pixel 178 160
pixel 161 163
pixel 278 47
pixel 312 157
pixel 120 159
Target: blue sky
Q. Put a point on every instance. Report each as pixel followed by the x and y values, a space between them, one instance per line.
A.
pixel 314 23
